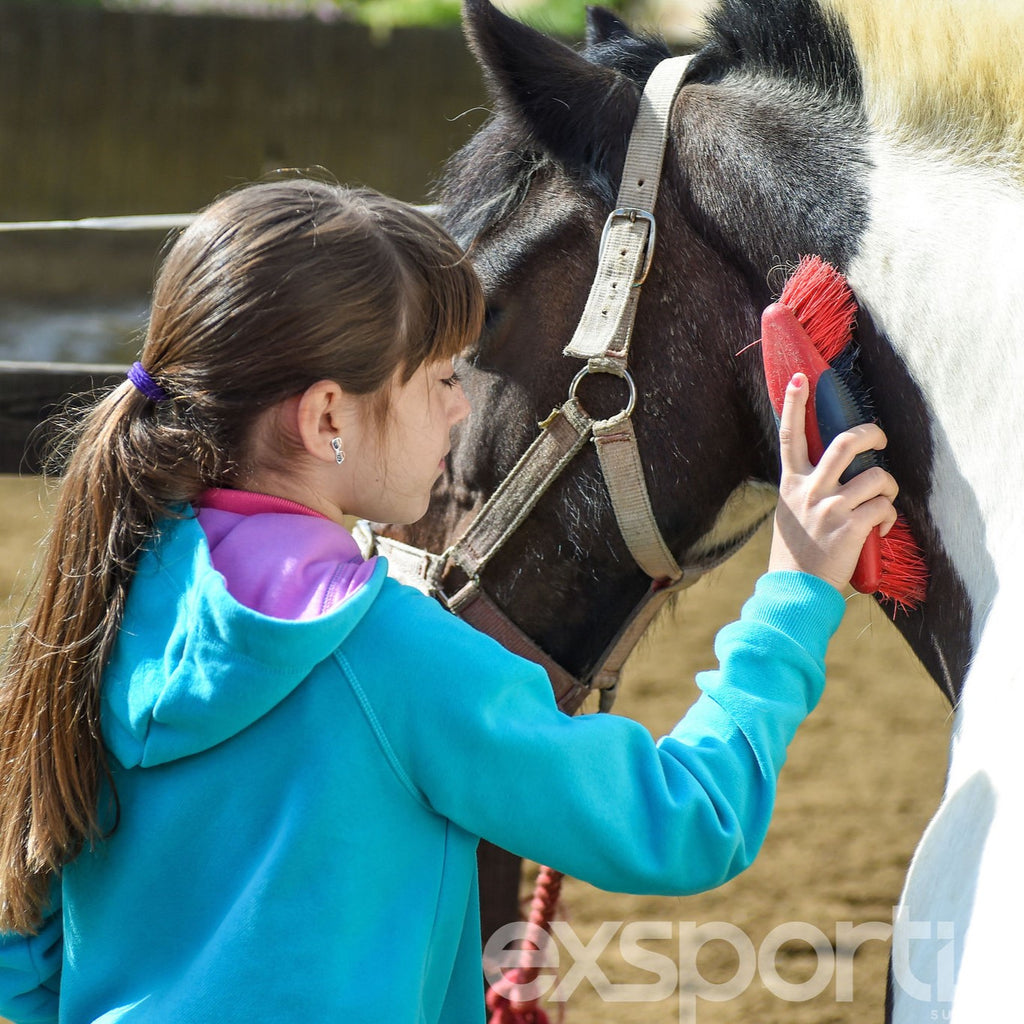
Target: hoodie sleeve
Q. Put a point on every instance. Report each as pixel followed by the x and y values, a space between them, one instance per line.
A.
pixel 30 967
pixel 594 795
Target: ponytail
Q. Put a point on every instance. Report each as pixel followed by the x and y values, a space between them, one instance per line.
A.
pixel 53 757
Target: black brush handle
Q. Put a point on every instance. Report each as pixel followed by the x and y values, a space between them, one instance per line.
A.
pixel 837 409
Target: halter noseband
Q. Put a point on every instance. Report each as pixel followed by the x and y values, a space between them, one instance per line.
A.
pixel 602 338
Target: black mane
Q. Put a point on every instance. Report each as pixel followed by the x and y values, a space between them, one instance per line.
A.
pixel 795 40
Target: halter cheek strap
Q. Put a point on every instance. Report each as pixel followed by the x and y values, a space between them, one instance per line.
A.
pixel 605 329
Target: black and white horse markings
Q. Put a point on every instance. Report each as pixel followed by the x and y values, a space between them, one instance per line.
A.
pixel 889 138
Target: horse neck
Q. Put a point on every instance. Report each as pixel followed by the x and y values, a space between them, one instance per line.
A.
pixel 769 174
pixel 936 299
pixel 943 294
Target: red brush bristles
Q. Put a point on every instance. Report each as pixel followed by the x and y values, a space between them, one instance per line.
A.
pixel 821 300
pixel 904 580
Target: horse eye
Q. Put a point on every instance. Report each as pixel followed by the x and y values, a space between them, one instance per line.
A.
pixel 492 316
pixel 491 335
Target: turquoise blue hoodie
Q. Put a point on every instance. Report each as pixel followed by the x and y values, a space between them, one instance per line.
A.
pixel 301 801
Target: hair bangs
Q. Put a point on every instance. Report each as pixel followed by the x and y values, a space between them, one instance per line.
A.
pixel 457 312
pixel 445 307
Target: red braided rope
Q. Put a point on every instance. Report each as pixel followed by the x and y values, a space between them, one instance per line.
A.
pixel 502 1001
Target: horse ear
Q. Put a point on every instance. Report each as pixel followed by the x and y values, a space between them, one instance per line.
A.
pixel 603 26
pixel 579 112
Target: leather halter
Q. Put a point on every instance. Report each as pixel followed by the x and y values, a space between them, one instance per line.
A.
pixel 602 339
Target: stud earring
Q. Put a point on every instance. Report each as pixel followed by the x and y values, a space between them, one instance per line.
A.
pixel 339 452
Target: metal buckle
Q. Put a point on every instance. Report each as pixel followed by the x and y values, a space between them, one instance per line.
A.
pixel 465 591
pixel 615 371
pixel 632 213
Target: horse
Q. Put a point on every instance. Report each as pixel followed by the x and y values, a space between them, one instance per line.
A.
pixel 889 139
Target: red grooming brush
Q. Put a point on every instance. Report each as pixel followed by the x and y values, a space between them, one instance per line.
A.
pixel 810 325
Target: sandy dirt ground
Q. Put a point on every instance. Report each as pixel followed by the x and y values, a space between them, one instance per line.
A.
pixel 801 937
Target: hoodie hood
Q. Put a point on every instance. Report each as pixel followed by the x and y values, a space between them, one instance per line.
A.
pixel 192 666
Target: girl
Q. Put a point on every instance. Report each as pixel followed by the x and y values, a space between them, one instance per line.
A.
pixel 244 773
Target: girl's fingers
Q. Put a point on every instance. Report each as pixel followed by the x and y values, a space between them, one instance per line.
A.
pixel 820 523
pixel 877 511
pixel 872 483
pixel 792 429
pixel 846 446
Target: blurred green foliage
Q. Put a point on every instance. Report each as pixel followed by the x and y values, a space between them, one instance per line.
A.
pixel 385 14
pixel 563 17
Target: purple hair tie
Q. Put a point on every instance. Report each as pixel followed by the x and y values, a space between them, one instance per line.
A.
pixel 141 379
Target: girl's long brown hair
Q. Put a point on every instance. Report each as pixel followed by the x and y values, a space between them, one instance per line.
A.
pixel 272 288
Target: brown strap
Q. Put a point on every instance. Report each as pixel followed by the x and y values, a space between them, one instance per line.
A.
pixel 486 616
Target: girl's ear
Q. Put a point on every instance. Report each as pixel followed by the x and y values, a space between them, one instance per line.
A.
pixel 321 414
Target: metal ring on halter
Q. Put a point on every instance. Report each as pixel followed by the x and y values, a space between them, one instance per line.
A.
pixel 631 213
pixel 465 591
pixel 623 373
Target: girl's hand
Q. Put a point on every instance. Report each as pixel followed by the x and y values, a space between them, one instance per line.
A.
pixel 821 524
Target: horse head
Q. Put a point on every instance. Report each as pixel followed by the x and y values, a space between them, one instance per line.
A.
pixel 767 160
pixel 528 198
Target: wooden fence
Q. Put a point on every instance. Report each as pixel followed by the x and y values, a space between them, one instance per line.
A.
pixel 106 112
pixel 29 394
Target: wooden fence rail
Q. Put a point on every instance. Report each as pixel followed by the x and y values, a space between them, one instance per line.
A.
pixel 29 394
